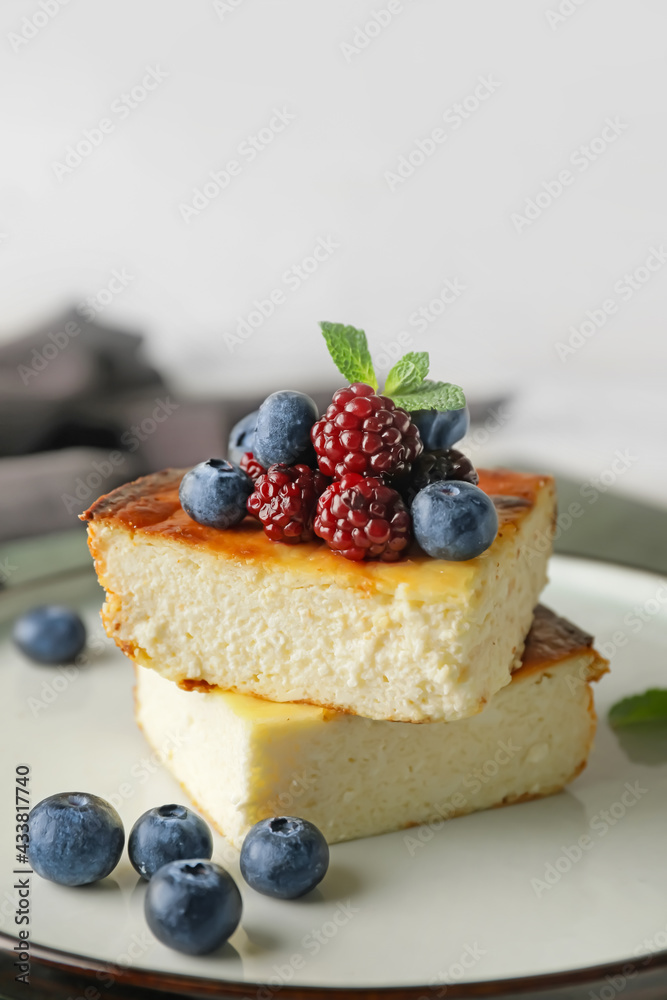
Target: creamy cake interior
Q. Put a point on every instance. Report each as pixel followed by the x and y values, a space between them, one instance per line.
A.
pixel 242 759
pixel 421 640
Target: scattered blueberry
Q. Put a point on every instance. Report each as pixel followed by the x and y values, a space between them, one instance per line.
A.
pixel 242 438
pixel 454 520
pixel 193 906
pixel 167 833
pixel 284 857
pixel 50 634
pixel 440 429
pixel 75 838
pixel 214 493
pixel 284 421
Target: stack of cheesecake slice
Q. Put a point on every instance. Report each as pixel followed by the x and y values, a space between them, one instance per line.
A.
pixel 365 697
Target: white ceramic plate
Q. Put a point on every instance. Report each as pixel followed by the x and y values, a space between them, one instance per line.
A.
pixel 466 907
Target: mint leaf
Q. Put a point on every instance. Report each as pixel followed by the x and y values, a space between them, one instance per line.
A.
pixel 648 707
pixel 349 350
pixel 431 396
pixel 407 374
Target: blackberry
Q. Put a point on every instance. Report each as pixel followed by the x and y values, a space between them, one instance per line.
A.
pixel 284 500
pixel 363 518
pixel 366 434
pixel 435 467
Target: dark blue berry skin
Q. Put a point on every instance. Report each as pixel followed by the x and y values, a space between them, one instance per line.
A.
pixel 242 438
pixel 440 430
pixel 50 634
pixel 284 857
pixel 75 838
pixel 284 421
pixel 454 520
pixel 193 906
pixel 164 834
pixel 214 493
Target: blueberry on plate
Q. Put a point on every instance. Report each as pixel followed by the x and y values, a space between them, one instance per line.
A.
pixel 193 906
pixel 50 634
pixel 242 438
pixel 284 857
pixel 75 838
pixel 214 493
pixel 164 834
pixel 440 429
pixel 284 421
pixel 454 520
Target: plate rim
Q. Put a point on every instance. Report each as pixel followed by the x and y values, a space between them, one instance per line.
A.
pixel 174 984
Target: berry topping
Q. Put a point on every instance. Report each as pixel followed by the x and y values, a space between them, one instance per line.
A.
pixel 50 634
pixel 365 433
pixel 164 834
pixel 440 429
pixel 75 838
pixel 214 493
pixel 284 857
pixel 284 500
pixel 242 437
pixel 193 906
pixel 434 467
pixel 251 466
pixel 363 518
pixel 454 520
pixel 283 428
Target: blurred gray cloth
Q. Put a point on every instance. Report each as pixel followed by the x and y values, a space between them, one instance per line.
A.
pixel 82 411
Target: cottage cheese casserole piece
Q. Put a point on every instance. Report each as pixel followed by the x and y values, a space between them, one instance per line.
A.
pixel 242 759
pixel 420 640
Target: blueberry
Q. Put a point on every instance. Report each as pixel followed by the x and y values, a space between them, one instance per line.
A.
pixel 193 906
pixel 75 838
pixel 50 634
pixel 440 429
pixel 167 833
pixel 242 438
pixel 453 520
pixel 284 421
pixel 214 493
pixel 284 857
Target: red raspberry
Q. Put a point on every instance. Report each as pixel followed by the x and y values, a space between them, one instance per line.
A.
pixel 365 433
pixel 251 466
pixel 284 501
pixel 363 518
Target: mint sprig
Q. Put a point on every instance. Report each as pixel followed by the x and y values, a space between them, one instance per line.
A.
pixel 348 348
pixel 407 374
pixel 406 384
pixel 649 707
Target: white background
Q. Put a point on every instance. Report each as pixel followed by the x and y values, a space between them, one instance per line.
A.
pixel 557 80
